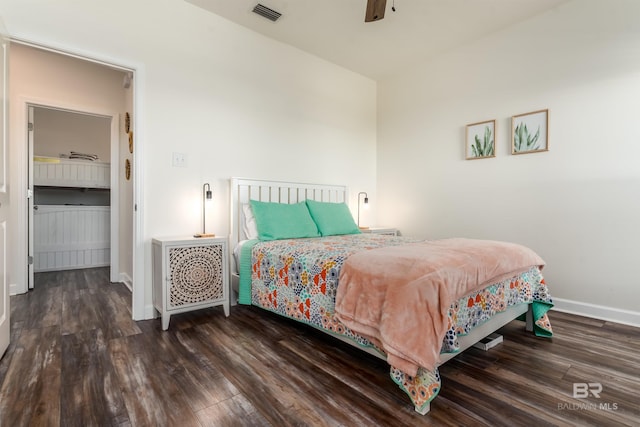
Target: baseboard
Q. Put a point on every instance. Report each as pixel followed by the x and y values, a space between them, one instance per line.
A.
pixel 610 314
pixel 150 312
pixel 13 289
pixel 128 282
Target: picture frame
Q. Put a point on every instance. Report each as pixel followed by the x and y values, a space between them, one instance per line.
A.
pixel 480 140
pixel 530 132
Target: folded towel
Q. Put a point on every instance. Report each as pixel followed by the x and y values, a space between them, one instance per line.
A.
pixel 83 156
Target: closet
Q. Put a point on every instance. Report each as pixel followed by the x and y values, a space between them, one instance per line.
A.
pixel 71 191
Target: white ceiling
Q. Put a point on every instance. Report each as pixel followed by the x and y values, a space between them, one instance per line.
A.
pixel 335 29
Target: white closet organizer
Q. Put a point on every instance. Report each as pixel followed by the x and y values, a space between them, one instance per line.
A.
pixel 71 214
pixel 54 172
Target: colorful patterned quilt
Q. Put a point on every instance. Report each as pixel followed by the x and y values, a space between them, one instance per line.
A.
pixel 298 278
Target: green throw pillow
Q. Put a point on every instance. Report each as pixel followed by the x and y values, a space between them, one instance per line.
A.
pixel 283 221
pixel 332 218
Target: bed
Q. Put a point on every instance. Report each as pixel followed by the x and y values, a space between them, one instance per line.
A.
pixel 291 270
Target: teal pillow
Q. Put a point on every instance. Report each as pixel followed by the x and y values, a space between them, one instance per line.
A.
pixel 283 221
pixel 332 218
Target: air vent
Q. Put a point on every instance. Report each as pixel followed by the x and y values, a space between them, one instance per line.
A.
pixel 265 12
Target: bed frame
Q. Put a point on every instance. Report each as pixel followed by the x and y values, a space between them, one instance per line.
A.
pixel 242 190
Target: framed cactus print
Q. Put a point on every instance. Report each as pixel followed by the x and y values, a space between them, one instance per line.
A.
pixel 530 132
pixel 480 140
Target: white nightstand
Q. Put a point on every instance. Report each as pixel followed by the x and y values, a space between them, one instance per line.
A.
pixel 189 274
pixel 381 230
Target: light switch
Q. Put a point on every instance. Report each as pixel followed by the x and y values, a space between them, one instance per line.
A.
pixel 179 160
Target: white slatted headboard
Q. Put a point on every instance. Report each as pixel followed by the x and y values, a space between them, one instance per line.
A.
pixel 242 190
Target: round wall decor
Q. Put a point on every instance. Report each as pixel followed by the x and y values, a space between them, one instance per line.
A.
pixel 127 122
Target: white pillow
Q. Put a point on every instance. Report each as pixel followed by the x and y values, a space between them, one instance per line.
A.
pixel 249 225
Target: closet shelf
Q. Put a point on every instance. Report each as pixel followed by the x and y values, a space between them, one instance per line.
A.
pixel 58 172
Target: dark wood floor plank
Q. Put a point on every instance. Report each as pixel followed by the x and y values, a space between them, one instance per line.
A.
pixel 232 412
pixel 514 355
pixel 74 280
pixel 150 395
pixel 249 371
pixel 200 381
pixel 580 322
pixel 95 305
pixel 370 398
pixel 536 401
pixel 79 311
pixel 494 409
pixel 43 308
pixel 623 393
pixel 118 312
pixel 31 388
pixel 90 393
pixel 5 362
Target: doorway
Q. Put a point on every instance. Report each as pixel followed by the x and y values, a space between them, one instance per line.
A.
pixel 73 209
pixel 58 81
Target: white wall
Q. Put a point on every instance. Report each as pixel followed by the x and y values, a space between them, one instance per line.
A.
pixel 59 132
pixel 234 102
pixel 578 204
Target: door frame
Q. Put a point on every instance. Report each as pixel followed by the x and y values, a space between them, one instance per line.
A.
pixel 114 193
pixel 5 195
pixel 139 308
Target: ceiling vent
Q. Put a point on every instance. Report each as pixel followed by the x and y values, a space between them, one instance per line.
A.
pixel 265 12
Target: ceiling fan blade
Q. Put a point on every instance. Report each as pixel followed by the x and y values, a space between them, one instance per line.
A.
pixel 375 10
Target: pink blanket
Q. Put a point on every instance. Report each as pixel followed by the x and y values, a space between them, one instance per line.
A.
pixel 399 296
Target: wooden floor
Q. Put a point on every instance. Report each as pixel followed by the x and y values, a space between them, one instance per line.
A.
pixel 77 359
